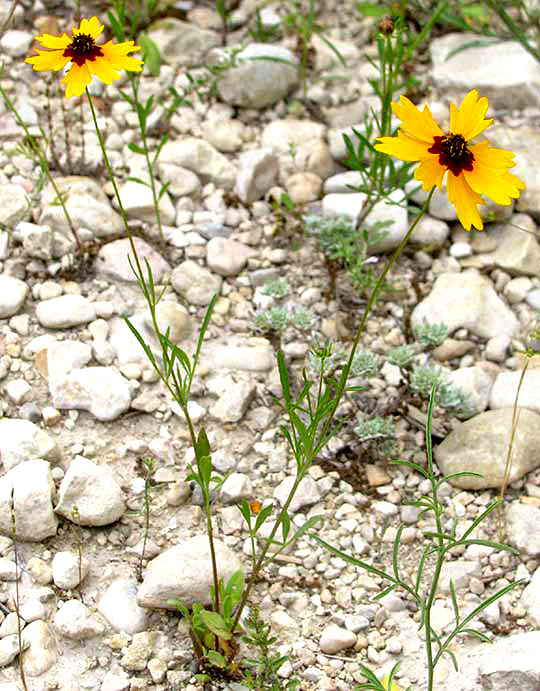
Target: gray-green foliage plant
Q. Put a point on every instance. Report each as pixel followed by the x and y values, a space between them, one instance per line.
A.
pixel 424 377
pixel 402 356
pixel 378 433
pixel 440 542
pixel 430 334
pixel 345 245
pixel 278 288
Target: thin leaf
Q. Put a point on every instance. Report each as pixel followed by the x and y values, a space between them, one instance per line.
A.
pixel 454 601
pixel 478 634
pixel 479 519
pixel 203 445
pixel 412 465
pixel 283 376
pixel 263 515
pixel 137 150
pixel 285 525
pixel 151 54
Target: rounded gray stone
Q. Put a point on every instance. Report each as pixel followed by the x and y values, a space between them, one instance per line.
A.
pixel 93 491
pixel 184 573
pixel 480 445
pixel 13 293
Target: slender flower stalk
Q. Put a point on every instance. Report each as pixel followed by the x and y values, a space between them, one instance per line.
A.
pixel 323 436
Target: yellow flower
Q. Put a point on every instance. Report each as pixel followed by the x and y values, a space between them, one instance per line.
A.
pixel 471 169
pixel 86 57
pixel 384 682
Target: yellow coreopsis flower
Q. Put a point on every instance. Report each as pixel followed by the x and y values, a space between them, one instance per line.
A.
pixel 471 169
pixel 86 56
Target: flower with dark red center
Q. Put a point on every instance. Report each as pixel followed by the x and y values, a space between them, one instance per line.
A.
pixel 87 58
pixel 470 170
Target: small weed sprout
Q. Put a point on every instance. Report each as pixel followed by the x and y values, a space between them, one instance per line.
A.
pixel 76 518
pixel 431 335
pixel 424 377
pixel 402 356
pixel 149 465
pixel 17 595
pixel 261 674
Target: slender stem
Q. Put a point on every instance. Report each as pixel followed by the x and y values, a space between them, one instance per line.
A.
pixel 508 465
pixel 140 276
pixel 7 20
pixel 258 565
pixel 329 419
pixel 44 164
pixel 17 600
pixel 142 129
pixel 371 301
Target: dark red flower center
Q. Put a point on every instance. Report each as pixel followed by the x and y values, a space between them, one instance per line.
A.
pixel 82 49
pixel 454 153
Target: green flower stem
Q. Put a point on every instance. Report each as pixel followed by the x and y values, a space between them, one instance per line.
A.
pixel 508 464
pixel 323 436
pixel 369 306
pixel 140 277
pixel 142 129
pixel 44 164
pixel 440 551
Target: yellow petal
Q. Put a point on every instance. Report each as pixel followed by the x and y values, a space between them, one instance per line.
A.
pixel 117 55
pixel 497 159
pixel 465 201
pixel 430 172
pixel 48 60
pixel 469 120
pixel 76 80
pixel 103 70
pixel 490 175
pixel 517 182
pixel 418 124
pixel 91 27
pixel 404 147
pixel 54 42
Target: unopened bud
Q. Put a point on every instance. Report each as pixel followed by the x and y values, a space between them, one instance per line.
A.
pixel 386 26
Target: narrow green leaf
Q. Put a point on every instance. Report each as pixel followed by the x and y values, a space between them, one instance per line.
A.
pixel 203 445
pixel 479 519
pixel 412 465
pixel 151 54
pixel 263 515
pixel 285 526
pixel 137 150
pixel 284 377
pixel 454 601
pixel 181 607
pixel 478 634
pixel 205 470
pixel 244 509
